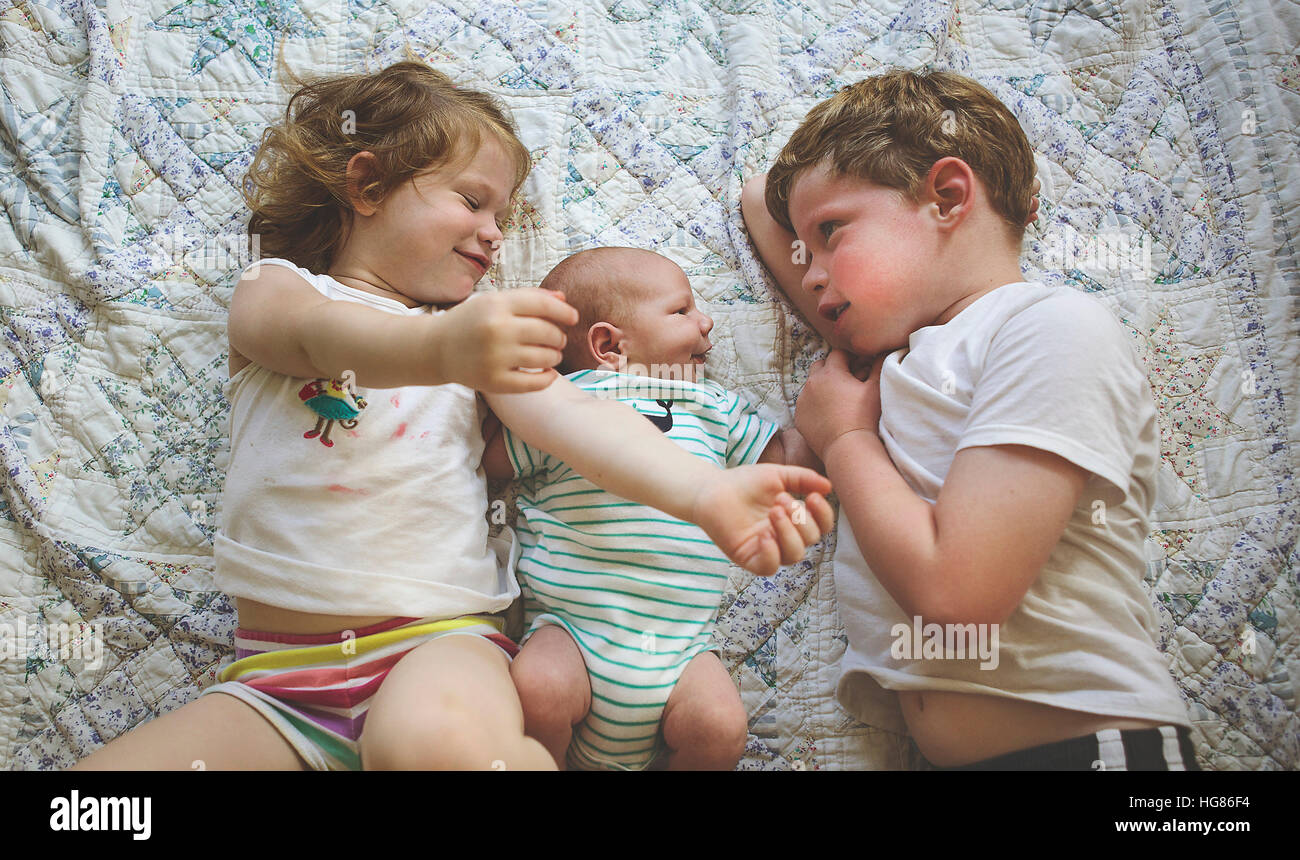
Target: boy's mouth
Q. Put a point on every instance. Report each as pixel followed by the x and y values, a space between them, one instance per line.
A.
pixel 832 312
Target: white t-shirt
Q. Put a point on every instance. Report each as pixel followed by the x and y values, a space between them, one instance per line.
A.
pixel 386 519
pixel 1049 368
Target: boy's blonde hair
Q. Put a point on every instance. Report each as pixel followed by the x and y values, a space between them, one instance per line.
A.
pixel 412 117
pixel 890 129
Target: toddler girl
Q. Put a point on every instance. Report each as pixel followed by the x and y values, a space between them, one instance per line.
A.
pixel 353 533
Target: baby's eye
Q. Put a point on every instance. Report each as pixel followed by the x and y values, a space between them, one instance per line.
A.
pixel 826 228
pixel 684 311
pixel 473 204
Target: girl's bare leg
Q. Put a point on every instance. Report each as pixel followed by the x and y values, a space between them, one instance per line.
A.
pixel 215 732
pixel 450 705
pixel 554 689
pixel 705 725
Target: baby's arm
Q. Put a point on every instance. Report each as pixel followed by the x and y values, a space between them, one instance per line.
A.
pixel 789 447
pixel 745 511
pixel 281 322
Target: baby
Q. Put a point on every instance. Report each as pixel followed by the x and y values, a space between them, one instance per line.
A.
pixel 620 600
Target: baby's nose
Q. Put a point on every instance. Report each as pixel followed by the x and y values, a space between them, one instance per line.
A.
pixel 706 323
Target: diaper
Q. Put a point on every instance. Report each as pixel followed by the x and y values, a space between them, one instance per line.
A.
pixel 316 688
pixel 630 685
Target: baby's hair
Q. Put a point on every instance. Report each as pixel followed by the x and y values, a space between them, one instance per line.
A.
pixel 600 283
pixel 412 117
pixel 890 129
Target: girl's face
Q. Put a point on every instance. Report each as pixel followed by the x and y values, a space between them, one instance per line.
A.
pixel 434 237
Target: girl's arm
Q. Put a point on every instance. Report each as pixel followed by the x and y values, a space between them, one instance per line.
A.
pixel 748 512
pixel 281 322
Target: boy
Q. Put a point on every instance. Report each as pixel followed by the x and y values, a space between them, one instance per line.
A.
pixel 621 600
pixel 1012 413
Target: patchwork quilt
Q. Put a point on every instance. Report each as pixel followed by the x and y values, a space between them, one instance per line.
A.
pixel 1166 139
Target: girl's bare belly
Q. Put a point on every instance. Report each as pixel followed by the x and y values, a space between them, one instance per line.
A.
pixel 953 729
pixel 273 619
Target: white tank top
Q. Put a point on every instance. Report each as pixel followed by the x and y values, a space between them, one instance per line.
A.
pixel 350 501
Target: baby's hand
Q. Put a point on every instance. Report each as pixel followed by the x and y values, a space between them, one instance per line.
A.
pixel 490 336
pixel 750 514
pixel 835 401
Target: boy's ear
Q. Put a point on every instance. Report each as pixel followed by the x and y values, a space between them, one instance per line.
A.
pixel 950 188
pixel 361 168
pixel 606 343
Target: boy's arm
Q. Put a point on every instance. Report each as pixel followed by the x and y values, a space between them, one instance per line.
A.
pixel 748 512
pixel 281 322
pixel 778 250
pixel 971 556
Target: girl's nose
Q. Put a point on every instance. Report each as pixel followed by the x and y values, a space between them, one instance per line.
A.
pixel 490 232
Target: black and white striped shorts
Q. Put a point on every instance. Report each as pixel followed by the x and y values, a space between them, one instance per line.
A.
pixel 1160 748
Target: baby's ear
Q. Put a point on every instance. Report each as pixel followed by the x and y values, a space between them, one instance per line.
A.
pixel 605 342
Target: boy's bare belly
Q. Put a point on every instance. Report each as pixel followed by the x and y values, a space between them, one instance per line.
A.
pixel 273 619
pixel 953 729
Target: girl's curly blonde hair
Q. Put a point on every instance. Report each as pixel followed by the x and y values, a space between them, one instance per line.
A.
pixel 412 117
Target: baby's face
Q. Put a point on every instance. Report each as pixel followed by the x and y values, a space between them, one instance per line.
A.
pixel 663 326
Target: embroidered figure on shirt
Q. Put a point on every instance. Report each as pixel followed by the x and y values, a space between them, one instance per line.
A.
pixel 332 400
pixel 663 422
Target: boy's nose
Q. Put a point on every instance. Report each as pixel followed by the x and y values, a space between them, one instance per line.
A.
pixel 814 279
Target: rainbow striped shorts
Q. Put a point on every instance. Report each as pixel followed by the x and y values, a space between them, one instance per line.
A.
pixel 316 688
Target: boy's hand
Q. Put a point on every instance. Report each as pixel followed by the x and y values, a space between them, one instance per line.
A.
pixel 750 514
pixel 835 400
pixel 490 336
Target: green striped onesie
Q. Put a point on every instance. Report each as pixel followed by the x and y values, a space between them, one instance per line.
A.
pixel 636 589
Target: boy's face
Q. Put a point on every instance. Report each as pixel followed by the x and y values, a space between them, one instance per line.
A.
pixel 663 326
pixel 869 250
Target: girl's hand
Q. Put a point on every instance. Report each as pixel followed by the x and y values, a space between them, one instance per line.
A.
pixel 750 514
pixel 835 400
pixel 489 337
